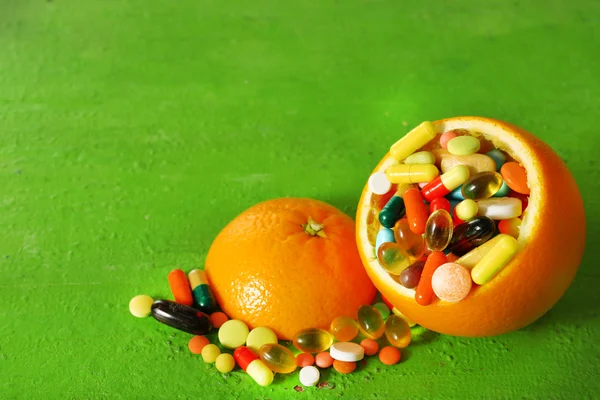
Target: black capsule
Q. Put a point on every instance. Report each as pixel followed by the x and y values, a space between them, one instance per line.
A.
pixel 471 234
pixel 181 317
pixel 392 212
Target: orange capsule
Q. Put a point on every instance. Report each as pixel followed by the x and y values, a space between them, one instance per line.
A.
pixel 180 287
pixel 424 293
pixel 515 177
pixel 416 211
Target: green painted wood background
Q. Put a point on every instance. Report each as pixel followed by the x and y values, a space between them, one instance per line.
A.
pixel 132 131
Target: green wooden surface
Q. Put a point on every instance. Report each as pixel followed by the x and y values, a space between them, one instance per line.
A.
pixel 132 131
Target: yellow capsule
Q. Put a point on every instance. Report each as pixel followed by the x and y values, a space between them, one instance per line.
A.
pixel 412 173
pixel 466 209
pixel 455 177
pixel 260 373
pixel 413 141
pixel 494 260
pixel 471 259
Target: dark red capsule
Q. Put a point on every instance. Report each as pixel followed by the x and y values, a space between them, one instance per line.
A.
pixel 182 317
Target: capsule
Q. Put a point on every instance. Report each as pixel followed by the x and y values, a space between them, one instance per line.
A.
pixel 511 227
pixel 203 296
pixel 413 141
pixel 500 208
pixel 416 210
pixel 471 234
pixel 392 258
pixel 409 278
pixel 409 241
pixel 482 185
pixel 412 173
pixel 445 183
pixel 379 183
pixel 438 230
pixel 397 332
pixel 456 194
pixel 343 329
pixel 384 235
pixel 180 287
pixel 439 203
pixel 181 317
pixel 471 259
pixel 424 293
pixel 253 366
pixel 466 209
pixel 494 260
pixel 313 340
pixel 277 358
pixel 392 212
pixel 370 322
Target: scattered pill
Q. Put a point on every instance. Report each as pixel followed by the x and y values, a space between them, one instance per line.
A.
pixel 370 322
pixel 344 367
pixel 224 363
pixel 347 351
pixel 389 355
pixel 409 321
pixel 181 317
pixel 201 292
pixel 313 340
pixel 304 360
pixel 451 282
pixel 210 352
pixel 218 318
pixel 397 331
pixel 253 366
pixel 277 358
pixel 309 376
pixel 370 346
pixel 233 334
pixel 141 306
pixel 379 183
pixel 180 287
pixel 323 360
pixel 343 329
pixel 260 336
pixel 197 343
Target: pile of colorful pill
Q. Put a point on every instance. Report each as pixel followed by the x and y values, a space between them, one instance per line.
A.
pixel 258 352
pixel 439 233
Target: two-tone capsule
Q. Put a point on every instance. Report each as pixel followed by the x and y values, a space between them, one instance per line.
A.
pixel 203 296
pixel 253 366
pixel 445 183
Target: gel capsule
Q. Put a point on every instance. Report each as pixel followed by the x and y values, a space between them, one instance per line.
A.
pixel 313 340
pixel 482 185
pixel 370 322
pixel 181 317
pixel 392 258
pixel 424 293
pixel 438 230
pixel 412 173
pixel 203 296
pixel 439 203
pixel 500 208
pixel 409 278
pixel 471 234
pixel 277 358
pixel 445 183
pixel 409 241
pixel 392 212
pixel 416 210
pixel 253 366
pixel 397 332
pixel 412 141
pixel 494 260
pixel 343 329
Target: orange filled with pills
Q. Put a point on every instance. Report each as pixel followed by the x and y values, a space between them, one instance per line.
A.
pixel 512 258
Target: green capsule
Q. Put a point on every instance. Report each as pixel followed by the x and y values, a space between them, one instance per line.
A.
pixel 482 185
pixel 392 212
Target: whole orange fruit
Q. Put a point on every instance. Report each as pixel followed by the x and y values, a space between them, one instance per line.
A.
pixel 288 264
pixel 550 243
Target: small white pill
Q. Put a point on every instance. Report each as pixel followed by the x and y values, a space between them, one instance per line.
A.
pixel 347 351
pixel 379 183
pixel 309 376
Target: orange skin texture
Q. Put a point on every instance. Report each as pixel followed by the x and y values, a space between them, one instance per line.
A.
pixel 265 270
pixel 537 276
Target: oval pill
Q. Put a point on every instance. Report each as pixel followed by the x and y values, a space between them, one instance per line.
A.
pixel 482 185
pixel 464 145
pixel 421 157
pixel 408 241
pixel 499 208
pixel 379 183
pixel 180 287
pixel 141 306
pixel 515 177
pixel 313 340
pixel 181 317
pixel 347 351
pixel 323 360
pixel 370 322
pixel 397 331
pixel 413 140
pixel 438 230
pixel 309 376
pixel 233 334
pixel 343 329
pixel 278 358
pixel 471 234
pixel 494 260
pixel 409 278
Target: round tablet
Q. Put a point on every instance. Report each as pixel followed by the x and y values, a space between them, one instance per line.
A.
pixel 347 351
pixel 224 363
pixel 309 376
pixel 260 336
pixel 233 334
pixel 379 183
pixel 140 306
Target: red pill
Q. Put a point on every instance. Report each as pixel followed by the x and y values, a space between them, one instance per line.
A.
pixel 180 287
pixel 305 360
pixel 439 203
pixel 416 211
pixel 324 360
pixel 457 221
pixel 445 183
pixel 424 293
pixel 389 355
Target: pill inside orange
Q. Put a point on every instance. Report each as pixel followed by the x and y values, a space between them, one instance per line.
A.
pixel 344 367
pixel 550 243
pixel 515 177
